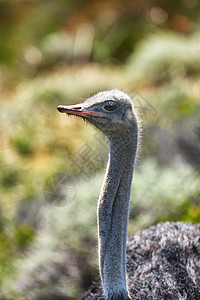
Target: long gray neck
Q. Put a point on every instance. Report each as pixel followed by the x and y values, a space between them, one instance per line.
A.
pixel 113 213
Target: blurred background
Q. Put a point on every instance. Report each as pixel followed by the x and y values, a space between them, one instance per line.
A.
pixel 52 167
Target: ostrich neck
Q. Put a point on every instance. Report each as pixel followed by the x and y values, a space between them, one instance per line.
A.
pixel 113 213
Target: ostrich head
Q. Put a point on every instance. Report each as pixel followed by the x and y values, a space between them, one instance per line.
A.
pixel 111 111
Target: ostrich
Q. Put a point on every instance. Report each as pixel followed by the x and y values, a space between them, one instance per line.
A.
pixel 162 262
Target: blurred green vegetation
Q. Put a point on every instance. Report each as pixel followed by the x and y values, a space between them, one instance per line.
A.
pixel 58 52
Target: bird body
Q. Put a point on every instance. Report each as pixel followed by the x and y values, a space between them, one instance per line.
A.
pixel 163 262
pixel 113 113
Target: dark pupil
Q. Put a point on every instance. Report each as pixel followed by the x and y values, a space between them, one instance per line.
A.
pixel 110 106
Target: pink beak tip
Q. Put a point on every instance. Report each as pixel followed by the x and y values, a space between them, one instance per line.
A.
pixel 60 108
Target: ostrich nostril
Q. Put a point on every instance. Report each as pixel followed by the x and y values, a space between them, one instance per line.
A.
pixel 77 108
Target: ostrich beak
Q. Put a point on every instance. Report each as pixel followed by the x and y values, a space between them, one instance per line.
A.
pixel 79 110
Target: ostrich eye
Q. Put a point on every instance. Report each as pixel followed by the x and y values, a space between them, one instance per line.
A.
pixel 110 106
